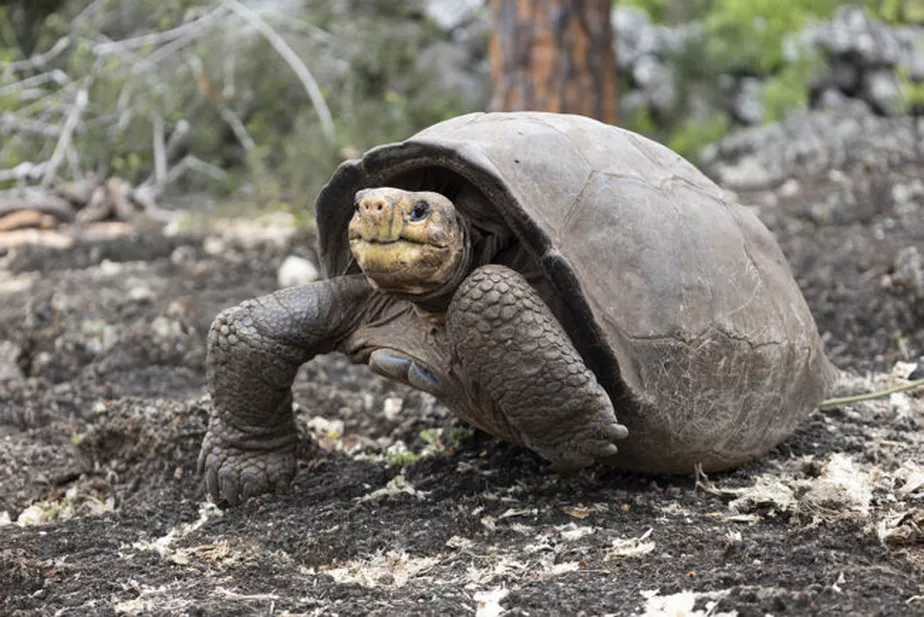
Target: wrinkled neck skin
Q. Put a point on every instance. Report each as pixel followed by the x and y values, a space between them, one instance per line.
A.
pixel 433 303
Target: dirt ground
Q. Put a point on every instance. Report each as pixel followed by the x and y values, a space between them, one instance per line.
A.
pixel 396 508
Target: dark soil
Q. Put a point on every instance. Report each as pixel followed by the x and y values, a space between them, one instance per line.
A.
pixel 103 409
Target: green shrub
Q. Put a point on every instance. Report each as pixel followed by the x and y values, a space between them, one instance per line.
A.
pixel 363 60
pixel 746 38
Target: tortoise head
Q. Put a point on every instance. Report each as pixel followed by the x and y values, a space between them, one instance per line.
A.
pixel 412 243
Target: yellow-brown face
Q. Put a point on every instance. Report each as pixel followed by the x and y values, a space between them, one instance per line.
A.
pixel 407 242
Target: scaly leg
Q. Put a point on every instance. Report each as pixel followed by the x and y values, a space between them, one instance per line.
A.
pixel 254 352
pixel 544 396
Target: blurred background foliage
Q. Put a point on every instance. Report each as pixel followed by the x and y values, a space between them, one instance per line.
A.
pixel 749 38
pixel 248 113
pixel 199 68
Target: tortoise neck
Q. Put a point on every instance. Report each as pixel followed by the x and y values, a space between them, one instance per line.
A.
pixel 435 302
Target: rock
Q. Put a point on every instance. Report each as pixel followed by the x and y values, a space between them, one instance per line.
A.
pixel 214 246
pixel 881 88
pixel 831 98
pixel 747 105
pixel 850 33
pixel 296 270
pixel 908 271
pixel 183 255
pixel 9 369
pixel 657 82
pixel 911 40
pixel 635 35
pixel 812 143
pixel 905 193
pixel 747 174
pixel 845 75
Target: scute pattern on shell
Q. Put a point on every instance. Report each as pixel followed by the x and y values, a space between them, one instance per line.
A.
pixel 683 302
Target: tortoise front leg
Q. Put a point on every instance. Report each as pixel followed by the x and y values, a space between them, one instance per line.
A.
pixel 254 352
pixel 535 386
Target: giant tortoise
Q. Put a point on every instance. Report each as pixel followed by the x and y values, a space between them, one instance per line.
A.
pixel 559 283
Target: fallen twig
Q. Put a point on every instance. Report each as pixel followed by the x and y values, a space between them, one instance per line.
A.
pixel 42 202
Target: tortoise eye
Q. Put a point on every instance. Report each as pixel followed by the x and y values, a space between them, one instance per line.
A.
pixel 419 211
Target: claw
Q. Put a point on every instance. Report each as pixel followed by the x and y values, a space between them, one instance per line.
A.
pixel 615 432
pixel 391 364
pixel 607 451
pixel 400 367
pixel 234 474
pixel 421 378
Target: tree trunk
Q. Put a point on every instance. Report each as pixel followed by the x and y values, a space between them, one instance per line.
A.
pixel 554 55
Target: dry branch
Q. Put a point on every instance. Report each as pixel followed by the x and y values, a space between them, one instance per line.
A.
pixel 56 119
pixel 160 149
pixel 57 76
pixel 157 38
pixel 40 60
pixel 64 140
pixel 292 59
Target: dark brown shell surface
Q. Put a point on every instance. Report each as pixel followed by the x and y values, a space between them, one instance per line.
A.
pixel 685 306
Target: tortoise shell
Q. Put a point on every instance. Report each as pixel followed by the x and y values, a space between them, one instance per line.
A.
pixel 678 299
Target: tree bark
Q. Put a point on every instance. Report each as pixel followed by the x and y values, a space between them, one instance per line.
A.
pixel 554 55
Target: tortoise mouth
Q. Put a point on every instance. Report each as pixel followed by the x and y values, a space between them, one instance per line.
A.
pixel 410 242
pixel 402 265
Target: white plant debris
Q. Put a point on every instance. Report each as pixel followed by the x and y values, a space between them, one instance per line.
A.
pixel 572 532
pixel 505 568
pixel 904 529
pixel 489 602
pixel 630 547
pixel 495 568
pixel 490 522
pixel 912 476
pixel 384 569
pixel 391 408
pixel 460 543
pixel 163 598
pixel 842 487
pixel 164 544
pixel 576 511
pixel 682 605
pixel 72 503
pixel 766 492
pixel 396 486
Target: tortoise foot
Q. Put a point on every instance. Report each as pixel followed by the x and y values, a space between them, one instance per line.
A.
pixel 582 443
pixel 238 466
